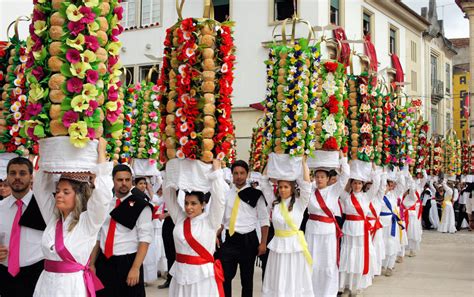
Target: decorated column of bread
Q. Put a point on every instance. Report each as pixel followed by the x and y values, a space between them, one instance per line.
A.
pixel 436 156
pixel 421 145
pixel 4 53
pixel 406 121
pixel 377 105
pixel 14 105
pixel 128 108
pixel 73 75
pixel 360 118
pixel 388 106
pixel 452 155
pixel 330 129
pixel 290 104
pixel 6 61
pixel 144 138
pixel 394 133
pixel 195 88
pixel 258 159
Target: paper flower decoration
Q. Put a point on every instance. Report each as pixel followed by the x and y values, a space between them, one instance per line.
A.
pixel 73 71
pixel 195 89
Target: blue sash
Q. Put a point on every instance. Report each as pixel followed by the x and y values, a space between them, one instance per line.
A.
pixel 395 219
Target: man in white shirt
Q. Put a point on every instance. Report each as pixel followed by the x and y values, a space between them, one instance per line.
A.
pixel 123 239
pixel 245 210
pixel 21 230
pixel 463 198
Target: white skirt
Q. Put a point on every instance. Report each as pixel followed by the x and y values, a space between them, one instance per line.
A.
pixel 379 253
pixel 323 249
pixel 206 287
pixel 51 284
pixel 352 263
pixel 434 217
pixel 392 243
pixel 150 263
pixel 287 275
pixel 414 231
pixel 448 223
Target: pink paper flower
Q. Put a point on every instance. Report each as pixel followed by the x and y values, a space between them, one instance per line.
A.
pixel 89 15
pixel 75 27
pixel 74 85
pixel 92 43
pixel 112 116
pixel 73 56
pixel 153 126
pixel 118 10
pixel 92 107
pixel 38 73
pixel 32 109
pixel 112 94
pixel 92 76
pixel 70 117
pixel 91 133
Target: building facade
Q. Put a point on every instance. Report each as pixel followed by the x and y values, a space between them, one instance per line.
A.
pixel 461 77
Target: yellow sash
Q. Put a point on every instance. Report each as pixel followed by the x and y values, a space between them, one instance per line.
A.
pixel 233 216
pixel 294 231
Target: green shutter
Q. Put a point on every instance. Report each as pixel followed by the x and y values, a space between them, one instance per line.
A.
pixel 220 2
pixel 335 4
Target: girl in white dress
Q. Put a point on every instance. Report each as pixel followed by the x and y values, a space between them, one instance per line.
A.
pixel 71 234
pixel 356 250
pixel 389 217
pixel 323 233
pixel 195 272
pixel 433 215
pixel 411 204
pixel 448 222
pixel 288 270
pixel 375 207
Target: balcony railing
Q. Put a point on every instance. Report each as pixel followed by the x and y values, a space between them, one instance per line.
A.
pixel 437 91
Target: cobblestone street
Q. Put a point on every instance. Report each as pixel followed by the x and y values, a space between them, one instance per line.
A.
pixel 443 267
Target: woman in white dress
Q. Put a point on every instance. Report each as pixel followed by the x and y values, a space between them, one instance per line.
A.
pixel 389 216
pixel 288 270
pixel 323 232
pixel 411 205
pixel 376 232
pixel 448 222
pixel 357 247
pixel 433 215
pixel 71 233
pixel 195 272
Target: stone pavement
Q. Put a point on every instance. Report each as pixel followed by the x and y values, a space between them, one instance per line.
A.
pixel 443 267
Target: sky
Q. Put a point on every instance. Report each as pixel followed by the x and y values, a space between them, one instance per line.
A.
pixel 455 25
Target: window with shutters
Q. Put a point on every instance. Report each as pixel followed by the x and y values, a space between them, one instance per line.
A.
pixel 150 12
pixel 393 40
pixel 334 12
pixel 129 13
pixel 221 10
pixel 367 23
pixel 434 120
pixel 448 78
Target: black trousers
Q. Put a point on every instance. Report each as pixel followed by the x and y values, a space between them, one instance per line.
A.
pixel 461 216
pixel 264 257
pixel 426 215
pixel 168 242
pixel 23 284
pixel 113 274
pixel 239 250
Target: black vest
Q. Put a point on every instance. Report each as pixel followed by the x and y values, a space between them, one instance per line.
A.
pixel 129 210
pixel 250 196
pixel 32 217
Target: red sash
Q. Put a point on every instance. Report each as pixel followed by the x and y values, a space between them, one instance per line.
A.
pixel 420 210
pixel 367 227
pixel 203 258
pixel 155 215
pixel 407 214
pixel 329 219
pixel 377 224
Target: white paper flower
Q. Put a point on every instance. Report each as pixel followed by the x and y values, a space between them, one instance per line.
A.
pixel 330 125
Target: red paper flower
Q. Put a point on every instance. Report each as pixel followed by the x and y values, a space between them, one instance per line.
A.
pixel 332 105
pixel 331 66
pixel 330 144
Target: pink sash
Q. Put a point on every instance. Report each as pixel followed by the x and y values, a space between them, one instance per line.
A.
pixel 69 264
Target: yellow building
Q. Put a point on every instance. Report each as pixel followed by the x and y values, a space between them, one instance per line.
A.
pixel 460 95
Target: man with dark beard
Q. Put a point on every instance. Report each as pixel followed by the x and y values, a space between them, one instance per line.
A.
pixel 124 240
pixel 21 226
